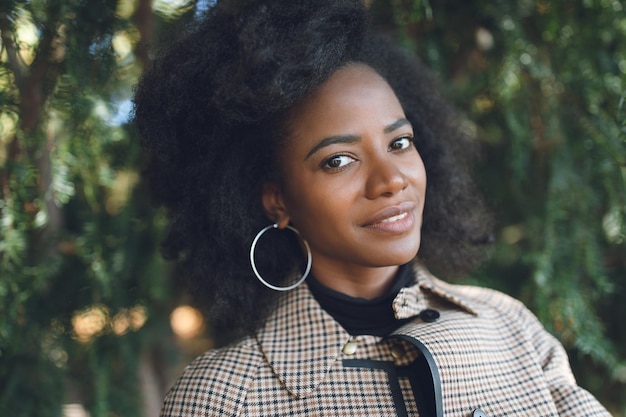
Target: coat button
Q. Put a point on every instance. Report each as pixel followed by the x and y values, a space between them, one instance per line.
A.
pixel 397 351
pixel 349 348
pixel 479 413
pixel 429 315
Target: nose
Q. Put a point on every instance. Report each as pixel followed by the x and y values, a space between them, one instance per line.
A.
pixel 385 178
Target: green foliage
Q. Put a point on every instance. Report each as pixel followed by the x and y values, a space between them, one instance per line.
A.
pixel 83 292
pixel 84 296
pixel 542 85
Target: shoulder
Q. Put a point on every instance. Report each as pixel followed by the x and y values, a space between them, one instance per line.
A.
pixel 499 307
pixel 486 298
pixel 490 297
pixel 511 315
pixel 216 382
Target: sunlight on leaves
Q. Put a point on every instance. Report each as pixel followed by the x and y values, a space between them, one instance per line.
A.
pixel 171 9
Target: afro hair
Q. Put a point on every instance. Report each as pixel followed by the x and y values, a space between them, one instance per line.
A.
pixel 212 110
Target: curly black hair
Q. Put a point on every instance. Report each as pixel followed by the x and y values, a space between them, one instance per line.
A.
pixel 213 108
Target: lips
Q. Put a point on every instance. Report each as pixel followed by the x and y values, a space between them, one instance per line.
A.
pixel 394 219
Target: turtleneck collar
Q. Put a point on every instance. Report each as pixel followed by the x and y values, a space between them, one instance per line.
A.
pixel 358 315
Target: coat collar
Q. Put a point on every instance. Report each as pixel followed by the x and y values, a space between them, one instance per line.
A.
pixel 301 341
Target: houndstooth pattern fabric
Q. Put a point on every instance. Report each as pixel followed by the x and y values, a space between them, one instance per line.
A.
pixel 487 352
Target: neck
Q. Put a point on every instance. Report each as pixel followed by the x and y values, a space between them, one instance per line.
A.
pixel 359 282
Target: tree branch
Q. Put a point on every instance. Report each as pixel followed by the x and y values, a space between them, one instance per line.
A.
pixel 144 19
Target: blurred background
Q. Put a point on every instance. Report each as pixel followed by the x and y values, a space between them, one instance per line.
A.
pixel 94 323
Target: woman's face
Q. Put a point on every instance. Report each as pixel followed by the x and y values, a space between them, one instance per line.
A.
pixel 354 184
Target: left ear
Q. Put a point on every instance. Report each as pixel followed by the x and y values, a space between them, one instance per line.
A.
pixel 274 204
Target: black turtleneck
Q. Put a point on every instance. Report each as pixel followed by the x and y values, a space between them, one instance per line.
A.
pixel 358 315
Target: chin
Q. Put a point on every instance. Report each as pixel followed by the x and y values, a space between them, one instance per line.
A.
pixel 408 251
pixel 400 257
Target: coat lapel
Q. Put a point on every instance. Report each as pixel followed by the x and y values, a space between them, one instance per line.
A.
pixel 301 341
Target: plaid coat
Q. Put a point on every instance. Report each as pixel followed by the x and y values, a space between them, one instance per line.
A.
pixel 481 352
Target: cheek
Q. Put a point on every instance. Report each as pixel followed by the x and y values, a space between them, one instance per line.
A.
pixel 319 209
pixel 421 177
pixel 301 198
pixel 310 204
pixel 417 172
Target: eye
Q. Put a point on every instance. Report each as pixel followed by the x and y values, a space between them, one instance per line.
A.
pixel 401 144
pixel 337 162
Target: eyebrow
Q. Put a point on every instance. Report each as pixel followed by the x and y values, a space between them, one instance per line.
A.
pixel 396 125
pixel 331 140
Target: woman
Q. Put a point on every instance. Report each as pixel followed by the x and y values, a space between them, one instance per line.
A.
pixel 297 151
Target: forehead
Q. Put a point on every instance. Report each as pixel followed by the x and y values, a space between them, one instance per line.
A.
pixel 355 97
pixel 351 81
